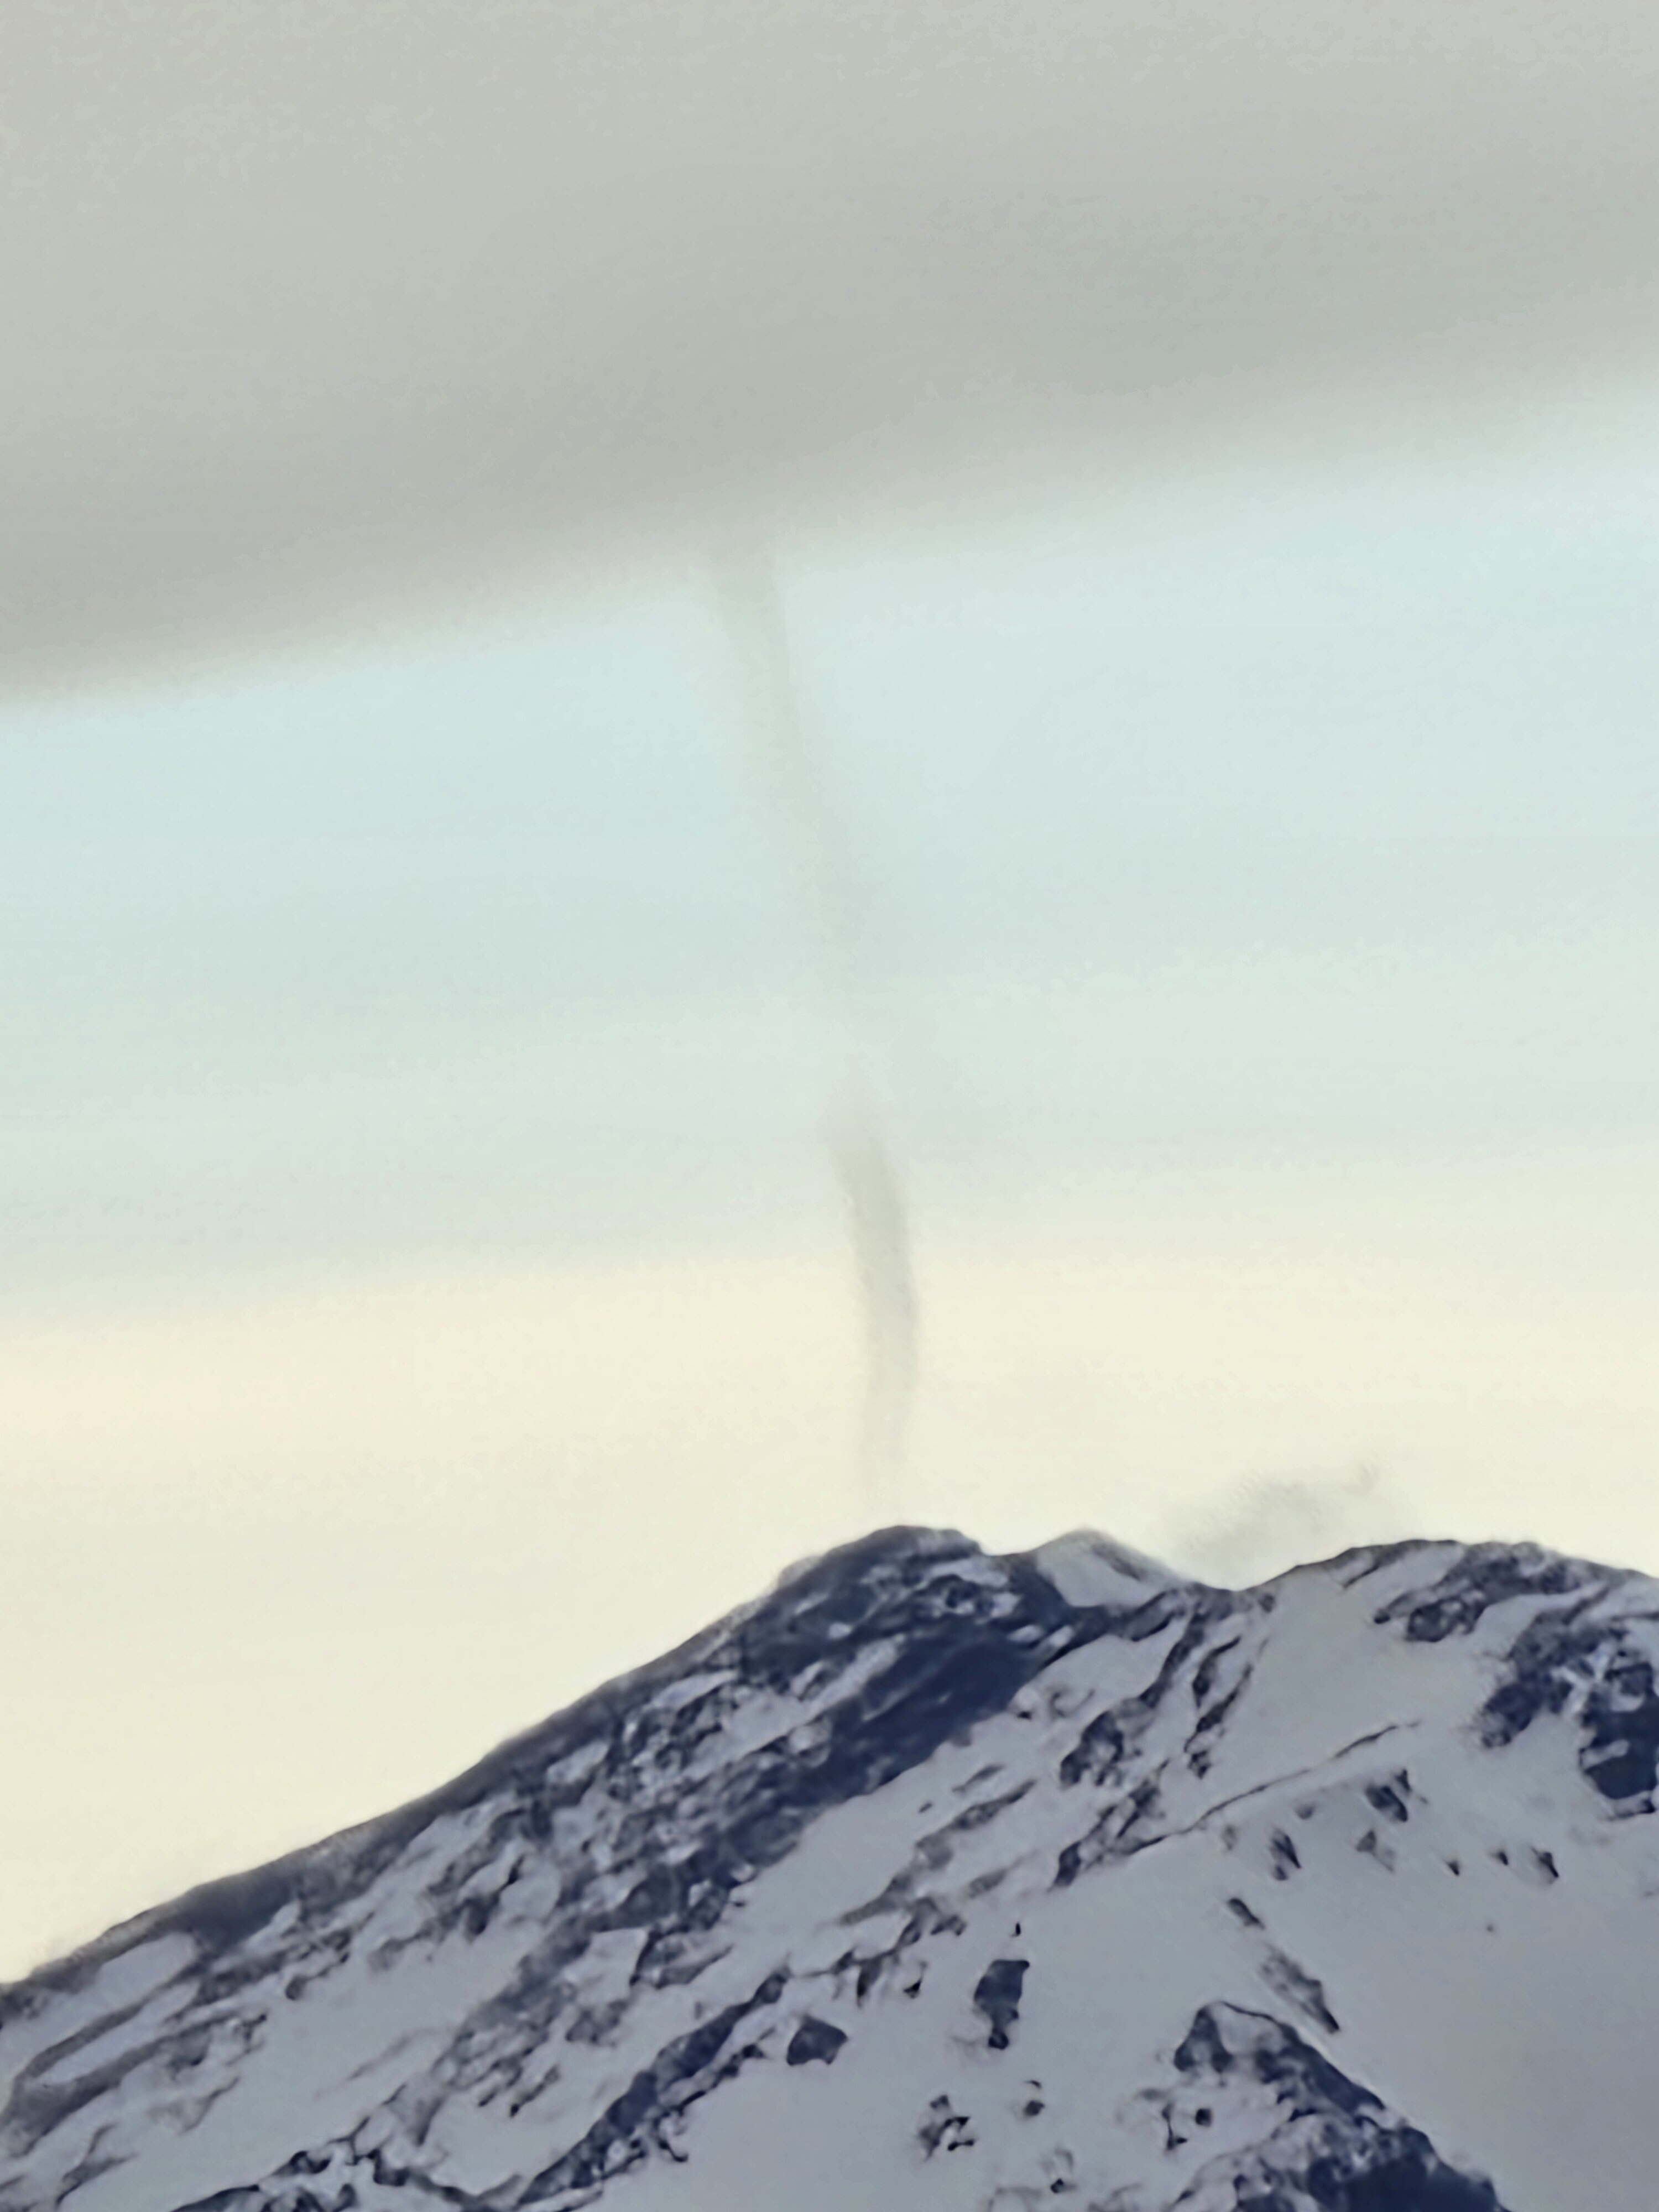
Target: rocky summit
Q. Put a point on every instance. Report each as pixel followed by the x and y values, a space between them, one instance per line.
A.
pixel 938 1880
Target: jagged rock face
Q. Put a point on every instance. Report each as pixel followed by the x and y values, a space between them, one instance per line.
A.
pixel 937 1880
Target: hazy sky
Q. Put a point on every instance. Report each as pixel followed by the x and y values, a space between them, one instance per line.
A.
pixel 1211 461
pixel 424 1291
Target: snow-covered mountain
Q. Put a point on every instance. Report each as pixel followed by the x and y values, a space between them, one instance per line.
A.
pixel 940 1880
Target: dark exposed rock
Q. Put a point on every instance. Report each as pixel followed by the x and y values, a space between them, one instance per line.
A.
pixel 1571 1662
pixel 1332 2144
pixel 997 1995
pixel 814 2039
pixel 1482 1576
pixel 1299 1987
pixel 945 2129
pixel 1284 1858
pixel 1389 1798
pixel 628 2129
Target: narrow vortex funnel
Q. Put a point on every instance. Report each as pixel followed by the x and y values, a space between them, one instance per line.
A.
pixel 863 1157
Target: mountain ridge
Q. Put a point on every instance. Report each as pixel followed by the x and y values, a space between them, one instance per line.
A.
pixel 653 1950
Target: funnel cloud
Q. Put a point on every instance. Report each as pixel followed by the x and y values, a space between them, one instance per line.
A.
pixel 866 1164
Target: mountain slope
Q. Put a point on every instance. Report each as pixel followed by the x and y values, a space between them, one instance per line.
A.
pixel 934 1878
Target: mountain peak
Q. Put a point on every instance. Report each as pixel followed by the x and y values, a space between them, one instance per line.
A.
pixel 1089 1570
pixel 939 1878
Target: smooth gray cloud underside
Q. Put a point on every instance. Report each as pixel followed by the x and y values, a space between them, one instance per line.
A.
pixel 324 306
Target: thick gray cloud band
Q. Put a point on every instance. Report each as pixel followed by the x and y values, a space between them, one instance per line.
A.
pixel 311 304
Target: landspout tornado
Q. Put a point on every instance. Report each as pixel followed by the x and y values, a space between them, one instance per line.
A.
pixel 865 1164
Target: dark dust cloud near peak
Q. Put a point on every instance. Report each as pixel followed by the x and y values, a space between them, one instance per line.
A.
pixel 337 306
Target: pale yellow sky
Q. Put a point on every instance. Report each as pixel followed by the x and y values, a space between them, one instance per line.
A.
pixel 294 1551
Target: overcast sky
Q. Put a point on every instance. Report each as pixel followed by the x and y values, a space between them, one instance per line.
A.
pixel 1212 475
pixel 316 307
